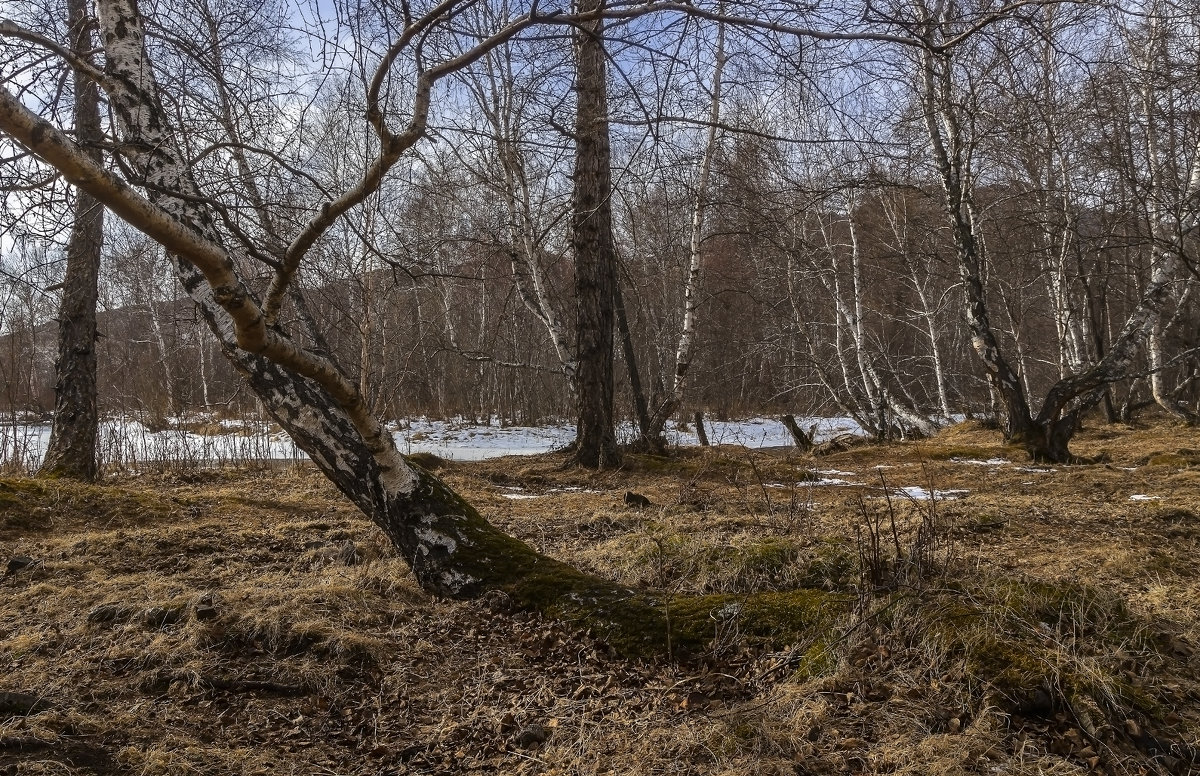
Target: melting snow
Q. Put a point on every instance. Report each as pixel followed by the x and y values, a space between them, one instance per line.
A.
pixel 917 493
pixel 1144 497
pixel 129 442
pixel 977 462
pixel 803 483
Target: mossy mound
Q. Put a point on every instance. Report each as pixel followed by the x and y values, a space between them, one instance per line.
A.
pixel 1035 647
pixel 39 504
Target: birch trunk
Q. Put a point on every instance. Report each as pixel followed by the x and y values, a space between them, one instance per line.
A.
pixel 1046 436
pixel 673 398
pixel 948 153
pixel 1167 233
pixel 451 549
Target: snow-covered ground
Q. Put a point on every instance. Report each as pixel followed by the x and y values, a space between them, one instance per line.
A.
pixel 130 443
pixel 461 441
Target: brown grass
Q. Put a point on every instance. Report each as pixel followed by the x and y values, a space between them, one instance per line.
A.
pixel 212 626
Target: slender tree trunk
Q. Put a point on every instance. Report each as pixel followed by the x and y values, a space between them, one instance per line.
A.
pixel 72 448
pixel 640 408
pixel 170 409
pixel 691 285
pixel 595 254
pixel 701 434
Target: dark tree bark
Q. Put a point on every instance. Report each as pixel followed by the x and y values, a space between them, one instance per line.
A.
pixel 701 434
pixel 640 408
pixel 71 451
pixel 595 254
pixel 802 440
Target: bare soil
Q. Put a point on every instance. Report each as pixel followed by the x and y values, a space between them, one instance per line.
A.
pixel 1044 620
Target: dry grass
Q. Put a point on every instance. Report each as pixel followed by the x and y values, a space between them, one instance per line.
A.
pixel 1043 623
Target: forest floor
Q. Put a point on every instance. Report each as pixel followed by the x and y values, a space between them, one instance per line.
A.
pixel 1026 619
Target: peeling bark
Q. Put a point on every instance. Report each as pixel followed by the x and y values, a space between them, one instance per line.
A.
pixel 1045 436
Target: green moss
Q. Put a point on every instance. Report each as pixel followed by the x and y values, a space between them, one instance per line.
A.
pixel 36 504
pixel 667 558
pixel 819 660
pixel 427 461
pixel 832 566
pixel 942 451
pixel 648 462
pixel 1036 644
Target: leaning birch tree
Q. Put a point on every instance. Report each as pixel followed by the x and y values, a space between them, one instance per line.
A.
pixel 673 397
pixel 240 234
pixel 452 550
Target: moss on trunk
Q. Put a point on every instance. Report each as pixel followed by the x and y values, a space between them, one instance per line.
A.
pixel 633 622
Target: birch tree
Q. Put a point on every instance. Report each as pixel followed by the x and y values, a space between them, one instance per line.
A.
pixel 1045 433
pixel 161 188
pixel 1167 150
pixel 672 399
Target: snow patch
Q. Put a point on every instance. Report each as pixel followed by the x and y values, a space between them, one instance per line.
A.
pixel 977 462
pixel 811 483
pixel 1144 497
pixel 917 493
pixel 520 496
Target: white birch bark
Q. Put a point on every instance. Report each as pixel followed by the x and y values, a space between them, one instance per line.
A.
pixel 493 92
pixel 673 396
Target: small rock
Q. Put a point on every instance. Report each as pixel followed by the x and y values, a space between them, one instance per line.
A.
pixel 160 616
pixel 109 613
pixel 531 735
pixel 19 562
pixel 205 612
pixel 636 500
